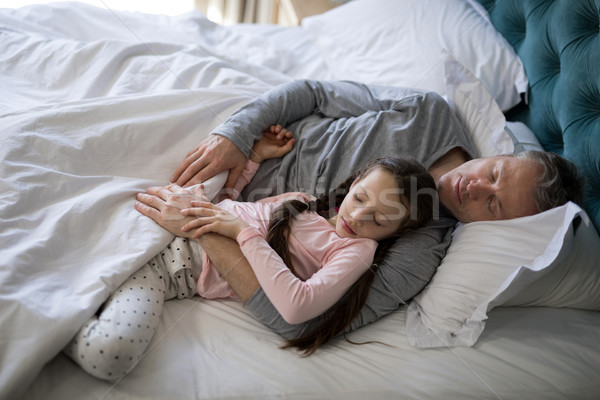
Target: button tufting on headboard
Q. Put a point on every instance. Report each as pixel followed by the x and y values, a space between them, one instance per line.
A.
pixel 559 43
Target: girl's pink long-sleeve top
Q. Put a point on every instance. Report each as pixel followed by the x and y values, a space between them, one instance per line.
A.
pixel 327 264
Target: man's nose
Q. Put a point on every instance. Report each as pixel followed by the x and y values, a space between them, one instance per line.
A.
pixel 477 189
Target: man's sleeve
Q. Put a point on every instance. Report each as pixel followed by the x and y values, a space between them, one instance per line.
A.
pixel 406 270
pixel 293 101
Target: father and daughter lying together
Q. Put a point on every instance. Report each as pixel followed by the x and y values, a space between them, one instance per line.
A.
pixel 312 251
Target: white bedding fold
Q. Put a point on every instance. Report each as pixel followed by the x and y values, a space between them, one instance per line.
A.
pixel 84 125
pixel 69 232
pixel 86 23
pixel 36 71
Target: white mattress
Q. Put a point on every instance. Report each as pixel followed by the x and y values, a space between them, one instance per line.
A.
pixel 97 107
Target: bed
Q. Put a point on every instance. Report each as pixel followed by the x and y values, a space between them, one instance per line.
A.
pixel 98 105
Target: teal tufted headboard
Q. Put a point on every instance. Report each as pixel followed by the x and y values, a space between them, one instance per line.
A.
pixel 559 44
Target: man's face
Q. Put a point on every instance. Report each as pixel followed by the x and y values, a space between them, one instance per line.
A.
pixel 492 188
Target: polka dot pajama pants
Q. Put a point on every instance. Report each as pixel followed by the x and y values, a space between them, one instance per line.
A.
pixel 114 340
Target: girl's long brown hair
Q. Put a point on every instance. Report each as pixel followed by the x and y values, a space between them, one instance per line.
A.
pixel 338 317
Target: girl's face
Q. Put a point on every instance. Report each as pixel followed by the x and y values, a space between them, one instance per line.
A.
pixel 372 208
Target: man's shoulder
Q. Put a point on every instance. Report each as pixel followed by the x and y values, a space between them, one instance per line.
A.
pixel 413 259
pixel 437 231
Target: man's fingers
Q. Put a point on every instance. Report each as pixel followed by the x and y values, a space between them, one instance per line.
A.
pixel 196 161
pixel 213 155
pixel 193 151
pixel 160 193
pixel 233 176
pixel 175 188
pixel 153 190
pixel 184 165
pixel 146 210
pixel 190 173
pixel 150 200
pixel 199 172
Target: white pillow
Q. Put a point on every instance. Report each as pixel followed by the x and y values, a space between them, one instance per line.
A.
pixel 477 110
pixel 400 43
pixel 534 260
pixel 572 280
pixel 523 137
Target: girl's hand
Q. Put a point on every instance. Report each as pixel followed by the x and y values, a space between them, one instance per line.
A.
pixel 212 219
pixel 275 142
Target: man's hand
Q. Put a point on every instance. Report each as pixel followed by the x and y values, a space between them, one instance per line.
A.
pixel 164 205
pixel 224 253
pixel 213 155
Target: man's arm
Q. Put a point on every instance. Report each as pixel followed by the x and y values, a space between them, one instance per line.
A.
pixel 395 282
pixel 283 105
pixel 223 252
pixel 293 101
pixel 226 256
pixel 280 106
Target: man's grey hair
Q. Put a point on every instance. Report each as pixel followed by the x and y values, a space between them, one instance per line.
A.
pixel 559 183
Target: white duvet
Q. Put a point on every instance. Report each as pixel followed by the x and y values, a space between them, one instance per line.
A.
pixel 96 107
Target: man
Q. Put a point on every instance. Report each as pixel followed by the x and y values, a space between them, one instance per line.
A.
pixel 339 127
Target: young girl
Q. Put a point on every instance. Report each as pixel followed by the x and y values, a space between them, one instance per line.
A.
pixel 305 252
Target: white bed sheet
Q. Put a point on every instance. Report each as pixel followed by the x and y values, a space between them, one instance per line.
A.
pixel 98 106
pixel 214 349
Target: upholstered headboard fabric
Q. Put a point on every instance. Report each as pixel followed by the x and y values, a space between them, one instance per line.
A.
pixel 559 44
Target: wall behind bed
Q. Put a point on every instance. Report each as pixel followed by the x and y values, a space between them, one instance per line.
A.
pixel 559 44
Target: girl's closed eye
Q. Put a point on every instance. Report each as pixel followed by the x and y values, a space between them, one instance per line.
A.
pixel 379 220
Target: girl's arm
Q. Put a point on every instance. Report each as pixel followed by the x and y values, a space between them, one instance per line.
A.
pixel 224 253
pixel 298 301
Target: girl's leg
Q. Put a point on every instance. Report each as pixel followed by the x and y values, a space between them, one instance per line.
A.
pixel 112 342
